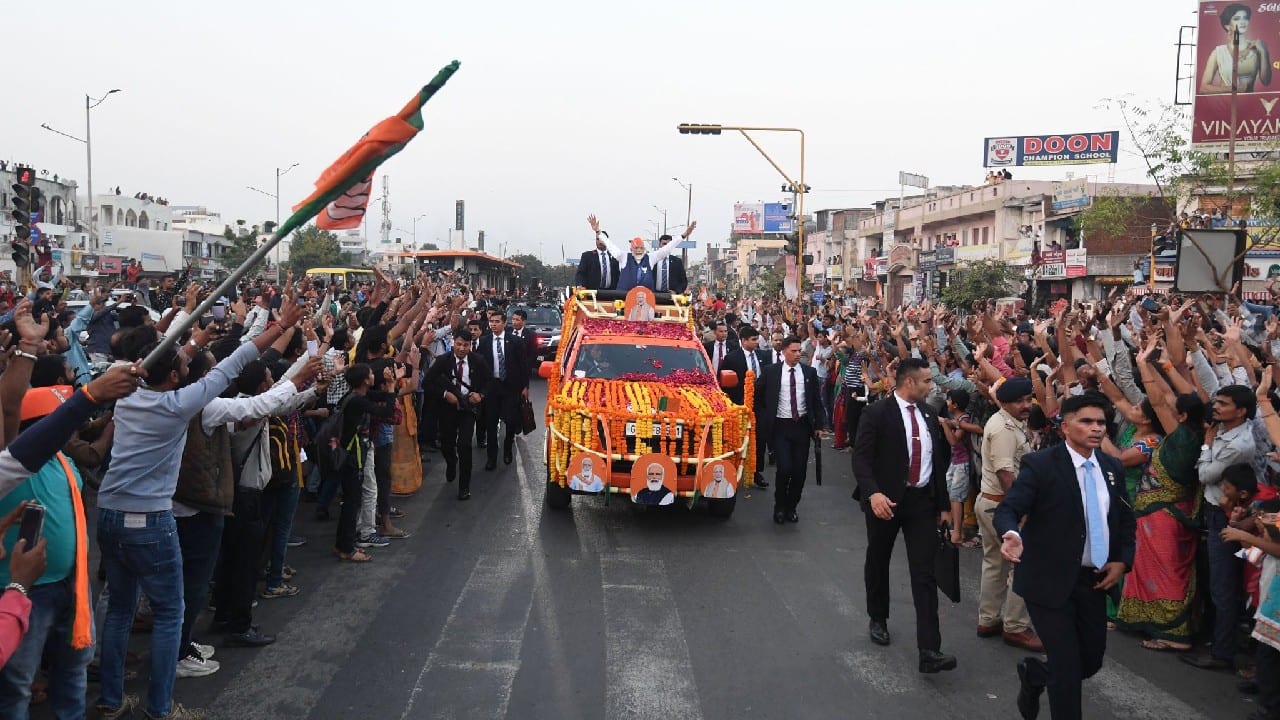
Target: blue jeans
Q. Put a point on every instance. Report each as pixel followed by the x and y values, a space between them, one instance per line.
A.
pixel 49 629
pixel 278 506
pixel 146 558
pixel 1224 585
pixel 200 536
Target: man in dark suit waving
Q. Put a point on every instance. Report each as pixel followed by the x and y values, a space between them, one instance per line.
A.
pixel 669 276
pixel 503 352
pixel 900 459
pixel 787 414
pixel 748 357
pixel 597 269
pixel 1076 543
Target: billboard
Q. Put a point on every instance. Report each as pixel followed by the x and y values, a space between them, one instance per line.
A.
pixel 748 217
pixel 1257 128
pixel 777 218
pixel 1065 149
pixel 1071 194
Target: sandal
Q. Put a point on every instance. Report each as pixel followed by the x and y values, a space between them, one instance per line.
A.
pixel 359 556
pixel 1164 645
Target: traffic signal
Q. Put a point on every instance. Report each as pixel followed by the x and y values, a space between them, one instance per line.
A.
pixel 28 207
pixel 792 247
pixel 698 129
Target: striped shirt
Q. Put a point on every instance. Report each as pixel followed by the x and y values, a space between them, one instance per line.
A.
pixel 853 371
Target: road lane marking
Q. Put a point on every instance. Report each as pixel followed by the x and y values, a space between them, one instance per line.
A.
pixel 287 679
pixel 1129 695
pixel 648 672
pixel 470 671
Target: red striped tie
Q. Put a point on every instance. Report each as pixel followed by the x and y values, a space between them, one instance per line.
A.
pixel 913 472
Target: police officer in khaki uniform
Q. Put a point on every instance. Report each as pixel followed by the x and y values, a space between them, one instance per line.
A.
pixel 1004 441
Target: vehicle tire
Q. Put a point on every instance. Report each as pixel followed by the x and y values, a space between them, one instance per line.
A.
pixel 558 497
pixel 722 508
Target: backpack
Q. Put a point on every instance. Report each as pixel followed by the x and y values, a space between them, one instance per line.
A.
pixel 330 452
pixel 284 458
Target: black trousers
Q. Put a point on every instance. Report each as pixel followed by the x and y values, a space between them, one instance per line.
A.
pixel 350 479
pixel 790 441
pixel 455 444
pixel 242 534
pixel 853 411
pixel 502 405
pixel 1075 638
pixel 917 519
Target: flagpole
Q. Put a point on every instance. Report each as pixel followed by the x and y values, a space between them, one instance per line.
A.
pixel 177 330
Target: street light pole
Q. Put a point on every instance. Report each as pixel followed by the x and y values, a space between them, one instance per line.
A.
pixel 415 230
pixel 688 218
pixel 799 188
pixel 280 172
pixel 89 104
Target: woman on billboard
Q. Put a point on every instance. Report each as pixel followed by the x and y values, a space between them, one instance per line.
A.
pixel 1255 58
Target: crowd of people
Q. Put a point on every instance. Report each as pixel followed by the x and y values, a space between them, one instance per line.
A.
pixel 1184 390
pixel 298 392
pixel 278 393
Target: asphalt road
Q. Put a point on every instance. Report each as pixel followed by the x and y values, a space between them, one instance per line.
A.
pixel 499 607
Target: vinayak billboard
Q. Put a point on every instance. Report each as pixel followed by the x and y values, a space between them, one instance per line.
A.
pixel 1219 58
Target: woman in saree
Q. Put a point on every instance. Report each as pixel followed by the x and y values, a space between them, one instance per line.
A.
pixel 1157 594
pixel 1134 447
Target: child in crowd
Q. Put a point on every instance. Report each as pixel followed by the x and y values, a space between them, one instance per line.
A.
pixel 959 426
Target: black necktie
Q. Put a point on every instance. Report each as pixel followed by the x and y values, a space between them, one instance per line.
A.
pixel 604 269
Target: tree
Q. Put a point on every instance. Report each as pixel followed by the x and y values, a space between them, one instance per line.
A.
pixel 766 283
pixel 241 247
pixel 981 280
pixel 535 271
pixel 313 247
pixel 1181 174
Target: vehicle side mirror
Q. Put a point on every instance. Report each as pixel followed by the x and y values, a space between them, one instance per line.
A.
pixel 728 379
pixel 546 369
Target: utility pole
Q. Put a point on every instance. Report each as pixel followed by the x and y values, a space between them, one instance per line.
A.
pixel 386 209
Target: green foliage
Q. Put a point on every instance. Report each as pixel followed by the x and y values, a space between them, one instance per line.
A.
pixel 981 280
pixel 534 270
pixel 242 245
pixel 766 283
pixel 313 247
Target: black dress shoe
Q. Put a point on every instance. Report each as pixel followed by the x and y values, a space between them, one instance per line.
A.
pixel 464 495
pixel 448 478
pixel 507 457
pixel 779 517
pixel 932 661
pixel 490 464
pixel 760 481
pixel 793 517
pixel 879 632
pixel 1205 662
pixel 1028 694
pixel 251 638
pixel 482 443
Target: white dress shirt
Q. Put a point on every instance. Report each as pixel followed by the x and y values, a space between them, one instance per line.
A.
pixel 753 362
pixel 1104 500
pixel 466 373
pixel 784 392
pixel 719 349
pixel 926 439
pixel 497 342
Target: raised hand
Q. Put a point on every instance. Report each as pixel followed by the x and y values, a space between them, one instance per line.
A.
pixel 117 382
pixel 593 222
pixel 29 331
pixel 689 230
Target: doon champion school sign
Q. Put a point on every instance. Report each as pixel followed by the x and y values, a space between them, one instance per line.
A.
pixel 1074 149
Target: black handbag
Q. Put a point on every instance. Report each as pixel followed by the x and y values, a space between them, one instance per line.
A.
pixel 946 565
pixel 529 422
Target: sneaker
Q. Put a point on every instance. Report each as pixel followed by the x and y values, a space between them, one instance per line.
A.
pixel 280 591
pixel 178 712
pixel 297 541
pixel 196 666
pixel 125 710
pixel 372 540
pixel 395 513
pixel 287 572
pixel 200 650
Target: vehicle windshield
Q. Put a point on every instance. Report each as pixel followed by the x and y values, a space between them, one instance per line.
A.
pixel 542 316
pixel 608 361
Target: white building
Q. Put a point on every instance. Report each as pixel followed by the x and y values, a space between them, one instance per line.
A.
pixel 60 224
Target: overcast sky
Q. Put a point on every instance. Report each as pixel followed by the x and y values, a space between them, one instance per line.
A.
pixel 561 109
